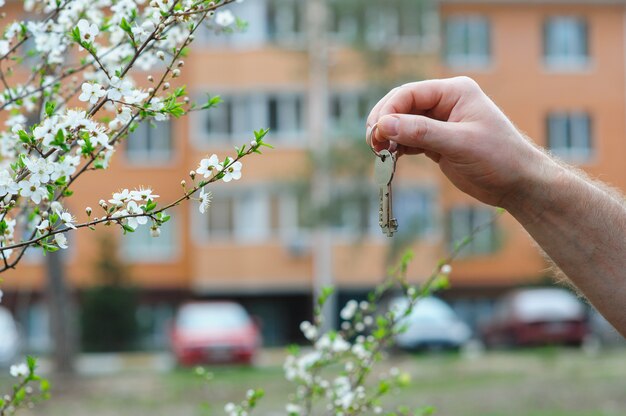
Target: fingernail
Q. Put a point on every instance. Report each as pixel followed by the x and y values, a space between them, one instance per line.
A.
pixel 368 131
pixel 389 126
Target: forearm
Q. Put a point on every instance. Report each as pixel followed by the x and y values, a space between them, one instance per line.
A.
pixel 581 225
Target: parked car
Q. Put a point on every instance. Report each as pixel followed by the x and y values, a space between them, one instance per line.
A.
pixel 9 338
pixel 431 324
pixel 214 332
pixel 533 317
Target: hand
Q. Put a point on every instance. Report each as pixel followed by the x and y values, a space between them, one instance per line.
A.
pixel 454 123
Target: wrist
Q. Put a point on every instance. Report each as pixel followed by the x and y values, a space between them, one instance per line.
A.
pixel 537 189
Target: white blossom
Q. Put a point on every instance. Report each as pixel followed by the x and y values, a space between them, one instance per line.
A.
pixel 75 119
pixel 446 269
pixel 47 130
pixel 88 31
pixel 4 47
pixel 141 33
pixel 119 198
pixel 135 96
pixel 91 92
pixel 40 169
pixel 119 88
pixel 309 330
pixel 30 188
pixel 209 166
pixel 7 183
pixel 68 219
pixel 205 201
pixel 232 172
pixel 44 226
pixel 143 194
pixel 133 209
pixel 19 370
pixel 61 240
pixel 224 18
pixel 349 310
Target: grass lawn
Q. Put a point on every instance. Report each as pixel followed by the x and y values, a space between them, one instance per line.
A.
pixel 551 382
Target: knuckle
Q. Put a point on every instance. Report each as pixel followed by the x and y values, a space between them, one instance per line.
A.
pixel 466 83
pixel 419 128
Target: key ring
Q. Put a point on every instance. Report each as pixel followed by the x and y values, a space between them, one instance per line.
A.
pixel 392 145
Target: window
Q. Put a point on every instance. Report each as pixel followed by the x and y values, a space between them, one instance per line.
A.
pixel 565 42
pixel 569 135
pixel 354 212
pixel 141 246
pixel 414 209
pixel 407 24
pixel 238 115
pixel 348 113
pixel 467 41
pixel 248 216
pixel 286 21
pixel 212 35
pixel 150 142
pixel 284 115
pixel 346 20
pixel 463 220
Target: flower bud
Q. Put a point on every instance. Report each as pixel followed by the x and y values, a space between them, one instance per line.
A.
pixel 88 211
pixel 103 204
pixel 186 100
pixel 192 175
pixel 160 55
pixel 150 78
pixel 180 63
pixel 183 183
pixel 150 90
pixel 176 73
pixel 155 231
pixel 166 86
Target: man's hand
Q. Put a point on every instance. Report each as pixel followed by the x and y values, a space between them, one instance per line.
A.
pixel 455 124
pixel 580 223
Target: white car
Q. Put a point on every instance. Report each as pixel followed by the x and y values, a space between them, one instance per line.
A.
pixel 431 324
pixel 9 337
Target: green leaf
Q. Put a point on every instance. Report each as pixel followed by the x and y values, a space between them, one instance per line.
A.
pixel 212 102
pixel 150 205
pixel 20 395
pixel 25 137
pixel 180 91
pixel 31 362
pixel 125 26
pixel 50 106
pixel 76 35
pixel 127 229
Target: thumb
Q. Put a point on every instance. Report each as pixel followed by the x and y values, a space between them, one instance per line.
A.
pixel 419 131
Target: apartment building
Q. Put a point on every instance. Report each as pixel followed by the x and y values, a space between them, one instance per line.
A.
pixel 555 68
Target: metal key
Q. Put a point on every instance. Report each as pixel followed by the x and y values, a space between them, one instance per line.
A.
pixel 384 168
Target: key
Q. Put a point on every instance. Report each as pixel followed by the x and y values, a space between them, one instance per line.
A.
pixel 384 168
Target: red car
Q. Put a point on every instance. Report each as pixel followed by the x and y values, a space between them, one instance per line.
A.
pixel 214 332
pixel 532 317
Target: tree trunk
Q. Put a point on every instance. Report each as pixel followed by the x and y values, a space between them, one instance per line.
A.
pixel 62 318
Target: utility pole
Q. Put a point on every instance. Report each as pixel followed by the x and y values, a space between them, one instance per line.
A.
pixel 316 11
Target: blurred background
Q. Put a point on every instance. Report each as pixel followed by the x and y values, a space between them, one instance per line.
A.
pixel 305 214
